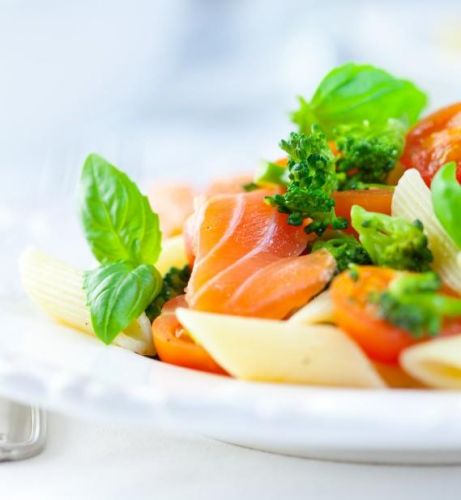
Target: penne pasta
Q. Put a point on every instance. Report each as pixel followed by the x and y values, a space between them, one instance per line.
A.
pixel 173 254
pixel 57 289
pixel 280 351
pixel 436 363
pixel 412 200
pixel 318 310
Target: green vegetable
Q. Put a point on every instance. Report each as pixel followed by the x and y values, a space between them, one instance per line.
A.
pixel 412 303
pixel 124 235
pixel 117 219
pixel 117 294
pixel 174 284
pixel 367 154
pixel 446 199
pixel 312 180
pixel 353 272
pixel 392 241
pixel 345 249
pixel 271 173
pixel 353 93
pixel 250 186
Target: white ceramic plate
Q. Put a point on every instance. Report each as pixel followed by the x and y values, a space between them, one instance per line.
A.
pixel 60 369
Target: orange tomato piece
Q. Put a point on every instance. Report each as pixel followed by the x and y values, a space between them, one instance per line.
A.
pixel 354 313
pixel 175 346
pixel 373 200
pixel 434 141
pixel 381 341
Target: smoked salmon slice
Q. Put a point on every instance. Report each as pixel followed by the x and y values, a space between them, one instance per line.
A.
pixel 248 259
pixel 173 203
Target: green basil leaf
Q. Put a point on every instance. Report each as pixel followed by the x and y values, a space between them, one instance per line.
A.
pixel 446 199
pixel 355 93
pixel 117 294
pixel 117 219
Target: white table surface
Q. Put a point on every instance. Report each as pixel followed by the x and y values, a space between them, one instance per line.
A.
pixel 84 460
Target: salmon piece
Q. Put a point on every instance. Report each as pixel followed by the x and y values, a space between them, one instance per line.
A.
pixel 301 279
pixel 230 185
pixel 173 203
pixel 248 259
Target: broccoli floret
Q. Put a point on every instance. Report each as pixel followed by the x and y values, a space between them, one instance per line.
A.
pixel 174 284
pixel 392 241
pixel 367 154
pixel 345 249
pixel 412 303
pixel 312 180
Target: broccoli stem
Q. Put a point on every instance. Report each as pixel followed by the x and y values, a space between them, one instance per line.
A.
pixel 312 180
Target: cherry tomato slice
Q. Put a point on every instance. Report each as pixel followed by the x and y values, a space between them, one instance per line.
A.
pixel 373 200
pixel 434 141
pixel 353 312
pixel 175 346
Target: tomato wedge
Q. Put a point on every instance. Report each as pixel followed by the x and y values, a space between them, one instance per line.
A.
pixel 373 200
pixel 434 141
pixel 353 312
pixel 175 346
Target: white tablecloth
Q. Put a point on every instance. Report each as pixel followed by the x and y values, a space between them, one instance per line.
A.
pixel 89 461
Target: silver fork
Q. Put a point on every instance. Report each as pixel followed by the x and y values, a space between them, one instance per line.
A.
pixel 22 431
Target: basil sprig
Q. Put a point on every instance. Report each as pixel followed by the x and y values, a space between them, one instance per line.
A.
pixel 124 236
pixel 354 93
pixel 118 221
pixel 118 293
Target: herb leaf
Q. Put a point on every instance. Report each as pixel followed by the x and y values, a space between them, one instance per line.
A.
pixel 353 93
pixel 124 235
pixel 117 294
pixel 117 219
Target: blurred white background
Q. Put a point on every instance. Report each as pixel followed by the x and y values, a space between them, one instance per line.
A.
pixel 183 88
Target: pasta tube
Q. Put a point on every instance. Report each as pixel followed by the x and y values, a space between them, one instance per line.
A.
pixel 173 254
pixel 436 363
pixel 412 200
pixel 318 310
pixel 57 289
pixel 280 351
